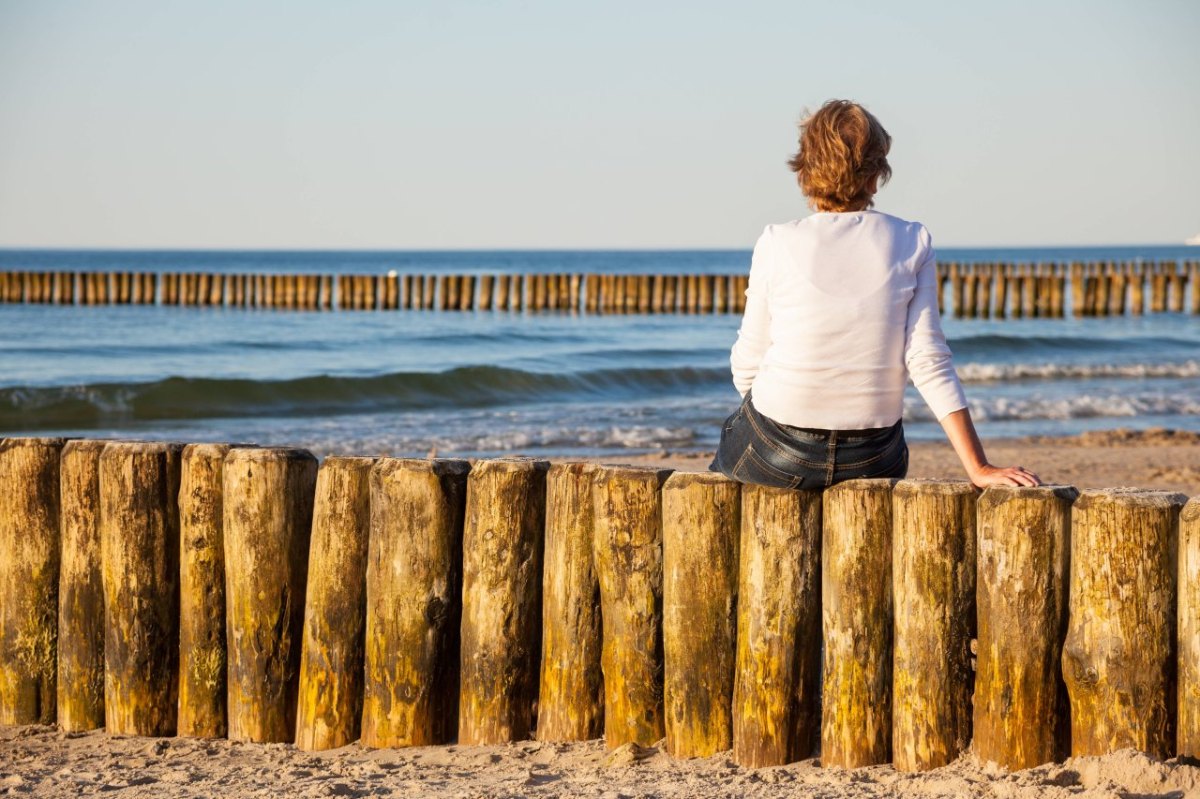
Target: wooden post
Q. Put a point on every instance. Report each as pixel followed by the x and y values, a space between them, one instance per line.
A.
pixel 502 580
pixel 391 292
pixel 80 592
pixel 571 692
pixel 1138 298
pixel 984 294
pixel 538 300
pixel 742 284
pixel 202 665
pixel 628 557
pixel 573 292
pixel 329 708
pixel 413 582
pixel 1021 595
pixel 1027 292
pixel 643 293
pixel 856 591
pixel 670 293
pixel 957 290
pixel 775 713
pixel 486 286
pixel 933 574
pixel 139 541
pixel 970 287
pixel 517 292
pixel 1178 282
pixel 29 574
pixel 405 292
pixel 1188 728
pixel 701 517
pixel 466 293
pixel 1117 658
pixel 502 282
pixel 693 294
pixel 267 512
pixel 1195 272
pixel 591 288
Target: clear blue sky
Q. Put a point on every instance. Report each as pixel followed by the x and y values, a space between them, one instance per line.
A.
pixel 619 124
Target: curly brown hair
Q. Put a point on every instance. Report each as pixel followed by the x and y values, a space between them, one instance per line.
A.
pixel 843 149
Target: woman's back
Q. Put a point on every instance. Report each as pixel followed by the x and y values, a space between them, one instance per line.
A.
pixel 837 313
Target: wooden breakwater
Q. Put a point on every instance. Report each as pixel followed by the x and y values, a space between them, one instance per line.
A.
pixel 967 290
pixel 233 590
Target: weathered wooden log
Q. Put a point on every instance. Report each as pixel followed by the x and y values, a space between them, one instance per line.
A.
pixel 1188 721
pixel 627 551
pixel 1118 656
pixel 267 512
pixel 139 541
pixel 571 692
pixel 701 516
pixel 329 709
pixel 1021 595
pixel 591 289
pixel 502 580
pixel 933 573
pixel 856 591
pixel 202 664
pixel 413 595
pixel 486 288
pixel 29 575
pixel 777 676
pixel 573 292
pixel 80 591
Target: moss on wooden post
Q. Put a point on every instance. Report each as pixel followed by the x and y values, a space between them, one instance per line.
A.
pixel 1118 656
pixel 701 513
pixel 628 559
pixel 856 591
pixel 1021 595
pixel 139 534
pixel 501 611
pixel 413 593
pixel 29 574
pixel 80 590
pixel 329 709
pixel 933 575
pixel 571 692
pixel 202 592
pixel 1188 729
pixel 267 511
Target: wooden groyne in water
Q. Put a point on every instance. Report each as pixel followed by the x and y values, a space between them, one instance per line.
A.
pixel 232 590
pixel 970 290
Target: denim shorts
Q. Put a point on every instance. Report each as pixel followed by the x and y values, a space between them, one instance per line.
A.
pixel 757 449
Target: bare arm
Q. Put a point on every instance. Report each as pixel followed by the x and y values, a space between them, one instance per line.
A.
pixel 961 432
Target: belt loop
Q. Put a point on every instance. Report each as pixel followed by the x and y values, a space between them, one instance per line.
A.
pixel 831 458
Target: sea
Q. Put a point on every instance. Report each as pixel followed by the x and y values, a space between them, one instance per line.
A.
pixel 490 384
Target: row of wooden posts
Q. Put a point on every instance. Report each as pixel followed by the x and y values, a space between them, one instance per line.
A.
pixel 997 290
pixel 982 290
pixel 593 293
pixel 233 590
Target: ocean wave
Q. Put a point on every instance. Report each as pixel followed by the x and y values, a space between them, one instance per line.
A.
pixel 26 407
pixel 993 343
pixel 992 372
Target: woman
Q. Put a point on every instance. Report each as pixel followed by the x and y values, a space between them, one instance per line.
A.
pixel 841 309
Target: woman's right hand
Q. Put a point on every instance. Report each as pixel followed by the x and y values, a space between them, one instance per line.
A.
pixel 988 475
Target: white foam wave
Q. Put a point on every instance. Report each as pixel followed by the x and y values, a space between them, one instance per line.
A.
pixel 993 372
pixel 1082 406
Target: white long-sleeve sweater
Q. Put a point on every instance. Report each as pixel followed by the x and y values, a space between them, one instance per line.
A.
pixel 841 309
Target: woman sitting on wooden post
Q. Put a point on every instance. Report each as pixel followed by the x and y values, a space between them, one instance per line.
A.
pixel 841 309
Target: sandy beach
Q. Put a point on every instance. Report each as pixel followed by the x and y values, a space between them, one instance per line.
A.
pixel 40 761
pixel 1162 459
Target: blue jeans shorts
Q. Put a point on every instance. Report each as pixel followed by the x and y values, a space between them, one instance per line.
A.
pixel 757 449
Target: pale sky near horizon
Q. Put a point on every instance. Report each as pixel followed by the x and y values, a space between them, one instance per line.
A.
pixel 547 124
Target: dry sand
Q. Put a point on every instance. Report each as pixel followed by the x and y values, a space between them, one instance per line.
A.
pixel 1158 458
pixel 39 761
